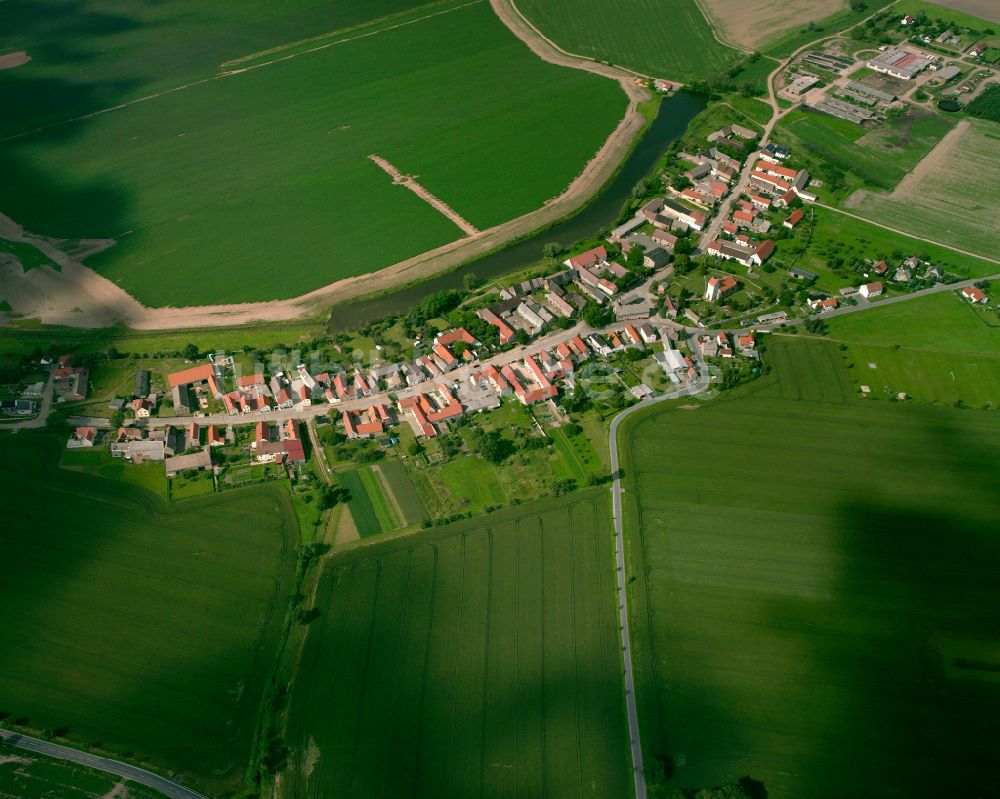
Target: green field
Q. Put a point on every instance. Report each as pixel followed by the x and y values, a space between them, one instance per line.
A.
pixel 836 236
pixel 935 349
pixel 663 39
pixel 878 158
pixel 26 775
pixel 403 491
pixel 366 519
pixel 145 630
pixel 955 201
pixel 256 185
pixel 380 502
pixel 480 659
pixel 818 606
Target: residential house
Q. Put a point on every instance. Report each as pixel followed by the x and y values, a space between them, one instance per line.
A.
pixel 974 295
pixel 82 437
pixel 869 290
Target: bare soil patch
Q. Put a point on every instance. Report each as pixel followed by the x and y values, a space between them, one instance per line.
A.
pixel 11 60
pixel 986 9
pixel 751 23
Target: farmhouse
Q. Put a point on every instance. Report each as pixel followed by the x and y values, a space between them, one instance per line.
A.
pixel 140 386
pixel 869 290
pixel 690 217
pixel 182 463
pixel 973 294
pixel 82 437
pixel 793 218
pixel 587 259
pixel 70 383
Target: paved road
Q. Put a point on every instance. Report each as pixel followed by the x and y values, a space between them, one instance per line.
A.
pixel 638 771
pixel 169 789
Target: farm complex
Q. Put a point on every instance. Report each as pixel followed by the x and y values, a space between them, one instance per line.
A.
pixel 453 398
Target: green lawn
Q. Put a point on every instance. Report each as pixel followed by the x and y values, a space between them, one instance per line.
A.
pixel 193 484
pixel 935 349
pixel 660 38
pixel 816 595
pixel 956 202
pixel 25 775
pixel 451 96
pixel 98 461
pixel 473 482
pixel 479 659
pixel 145 628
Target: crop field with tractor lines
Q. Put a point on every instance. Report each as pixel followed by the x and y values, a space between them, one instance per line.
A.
pixel 479 659
pixel 816 602
pixel 160 623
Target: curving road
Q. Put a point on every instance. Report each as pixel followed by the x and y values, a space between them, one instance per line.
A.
pixel 169 789
pixel 635 743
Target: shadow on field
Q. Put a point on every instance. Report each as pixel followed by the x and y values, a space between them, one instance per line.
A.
pixel 63 38
pixel 923 577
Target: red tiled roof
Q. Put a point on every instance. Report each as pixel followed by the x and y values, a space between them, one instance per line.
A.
pixel 195 374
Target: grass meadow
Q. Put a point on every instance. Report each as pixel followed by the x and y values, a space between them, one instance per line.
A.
pixel 26 775
pixel 937 349
pixel 817 597
pixel 479 659
pixel 661 39
pixel 144 630
pixel 838 236
pixel 879 158
pixel 256 185
pixel 955 200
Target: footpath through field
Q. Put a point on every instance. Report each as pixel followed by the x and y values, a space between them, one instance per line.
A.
pixel 169 789
pixel 635 742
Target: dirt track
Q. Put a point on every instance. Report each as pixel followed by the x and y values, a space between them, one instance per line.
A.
pixel 79 297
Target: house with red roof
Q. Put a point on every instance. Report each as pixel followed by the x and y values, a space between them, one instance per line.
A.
pixel 793 218
pixel 82 437
pixel 588 259
pixel 505 330
pixel 869 290
pixel 974 295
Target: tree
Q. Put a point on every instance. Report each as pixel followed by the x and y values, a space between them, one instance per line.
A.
pixel 191 352
pixel 415 449
pixel 494 447
pixel 470 281
pixel 552 250
pixel 459 348
pixel 682 263
pixel 597 315
pixel 634 259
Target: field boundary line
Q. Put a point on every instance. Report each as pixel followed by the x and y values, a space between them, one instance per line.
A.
pixel 330 34
pixel 912 236
pixel 715 25
pixel 513 6
pixel 230 73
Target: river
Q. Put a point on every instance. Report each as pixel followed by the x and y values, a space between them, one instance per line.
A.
pixel 672 120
